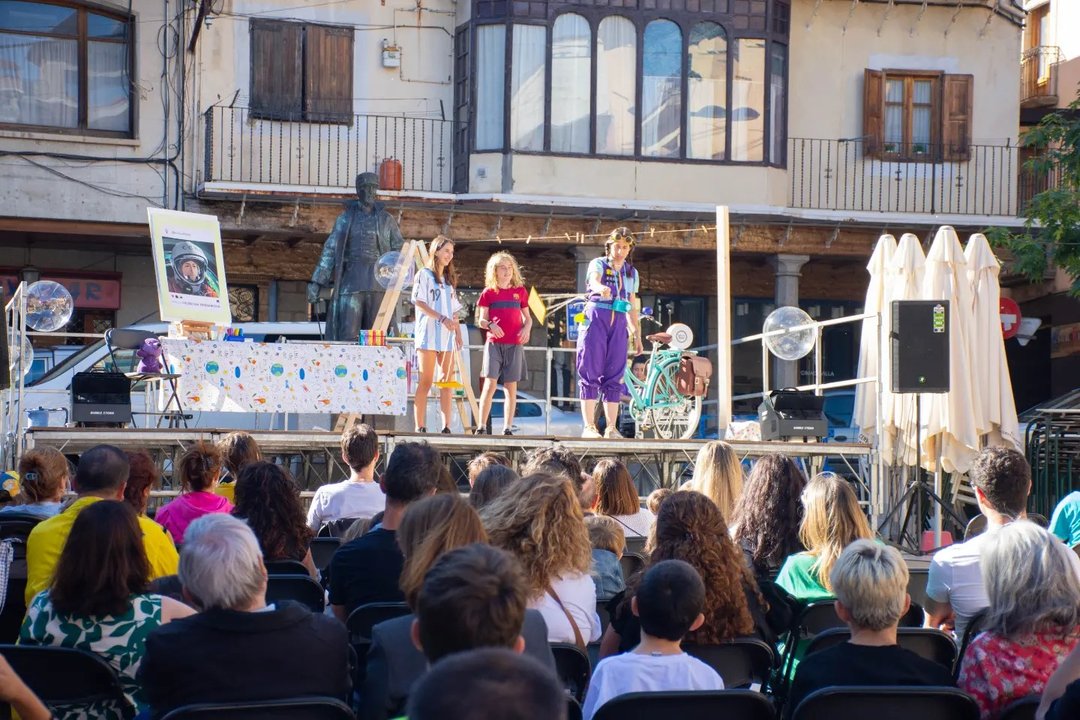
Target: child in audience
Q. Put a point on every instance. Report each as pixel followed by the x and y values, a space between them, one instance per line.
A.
pixel 503 311
pixel 656 497
pixel 608 546
pixel 489 483
pixel 668 603
pixel 483 461
pixel 200 472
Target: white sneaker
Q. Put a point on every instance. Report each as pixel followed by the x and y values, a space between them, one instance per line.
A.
pixel 590 431
pixel 613 433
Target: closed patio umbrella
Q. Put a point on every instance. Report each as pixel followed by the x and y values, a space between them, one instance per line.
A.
pixel 873 347
pixel 904 281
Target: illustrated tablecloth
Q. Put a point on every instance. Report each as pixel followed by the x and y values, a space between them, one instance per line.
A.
pixel 287 377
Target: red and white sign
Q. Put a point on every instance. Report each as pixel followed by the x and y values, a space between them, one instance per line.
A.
pixel 1010 317
pixel 87 292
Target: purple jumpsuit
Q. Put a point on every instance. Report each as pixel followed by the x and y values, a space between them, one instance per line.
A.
pixel 602 342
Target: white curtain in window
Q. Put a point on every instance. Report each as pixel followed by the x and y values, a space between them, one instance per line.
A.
pixel 748 101
pixel 571 69
pixel 616 86
pixel 706 102
pixel 920 115
pixel 39 81
pixel 777 103
pixel 661 100
pixel 527 87
pixel 107 75
pixel 894 114
pixel 490 89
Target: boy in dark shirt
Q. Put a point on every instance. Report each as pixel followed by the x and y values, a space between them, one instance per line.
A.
pixel 870 581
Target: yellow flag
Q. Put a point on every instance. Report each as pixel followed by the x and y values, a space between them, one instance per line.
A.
pixel 539 309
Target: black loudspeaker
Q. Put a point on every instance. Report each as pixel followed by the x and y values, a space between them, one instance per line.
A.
pixel 919 338
pixel 100 398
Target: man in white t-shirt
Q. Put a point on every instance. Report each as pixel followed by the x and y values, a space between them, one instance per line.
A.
pixel 668 602
pixel 359 496
pixel 954 589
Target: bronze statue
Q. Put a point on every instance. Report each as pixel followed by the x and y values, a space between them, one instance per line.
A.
pixel 361 234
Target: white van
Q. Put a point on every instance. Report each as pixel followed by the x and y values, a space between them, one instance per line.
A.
pixel 47 400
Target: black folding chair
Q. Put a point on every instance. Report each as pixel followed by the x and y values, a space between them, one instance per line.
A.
pixel 300 588
pixel 814 618
pixel 573 668
pixel 322 551
pixel 884 702
pixel 573 709
pixel 66 677
pixel 631 563
pixel 636 544
pixel 741 662
pixel 916 586
pixel 306 708
pixel 359 624
pixel 286 567
pixel 15 529
pixel 336 528
pixel 688 705
pixel 928 643
pixel 1022 709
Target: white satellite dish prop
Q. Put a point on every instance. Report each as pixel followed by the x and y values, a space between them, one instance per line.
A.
pixel 682 337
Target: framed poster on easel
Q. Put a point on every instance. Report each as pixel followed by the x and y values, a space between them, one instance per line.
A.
pixel 189 267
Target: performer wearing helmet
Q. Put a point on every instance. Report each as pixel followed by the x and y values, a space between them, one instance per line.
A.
pixel 361 234
pixel 187 271
pixel 611 313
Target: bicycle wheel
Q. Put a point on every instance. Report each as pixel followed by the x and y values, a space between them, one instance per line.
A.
pixel 671 415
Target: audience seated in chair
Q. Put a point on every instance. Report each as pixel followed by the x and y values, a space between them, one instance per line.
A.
pixel 268 500
pixel 617 498
pixel 608 545
pixel 144 476
pixel 483 461
pixel 561 462
pixel 357 496
pixel 690 528
pixel 1065 521
pixel 870 582
pixel 489 483
pixel 718 475
pixel 768 515
pixel 43 482
pixel 200 472
pixel 98 600
pixel 1033 619
pixel 656 497
pixel 539 520
pixel 238 648
pixel 367 569
pixel 101 474
pixel 668 603
pixel 238 449
pixel 488 684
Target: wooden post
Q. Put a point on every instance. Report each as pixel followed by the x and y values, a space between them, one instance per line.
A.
pixel 722 379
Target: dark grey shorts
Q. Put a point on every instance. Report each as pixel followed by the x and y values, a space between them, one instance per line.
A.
pixel 503 362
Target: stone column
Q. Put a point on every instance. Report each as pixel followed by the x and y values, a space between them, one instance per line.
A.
pixel 785 373
pixel 583 255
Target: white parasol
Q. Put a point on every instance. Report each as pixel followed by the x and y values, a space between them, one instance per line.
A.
pixel 903 282
pixel 951 420
pixel 994 401
pixel 873 346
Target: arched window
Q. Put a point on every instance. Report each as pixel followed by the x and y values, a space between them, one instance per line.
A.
pixel 68 67
pixel 616 86
pixel 661 99
pixel 706 89
pixel 571 73
pixel 527 87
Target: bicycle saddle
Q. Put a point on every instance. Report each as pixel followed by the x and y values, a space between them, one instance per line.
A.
pixel 661 338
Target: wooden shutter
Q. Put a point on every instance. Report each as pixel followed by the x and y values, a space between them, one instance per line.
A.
pixel 328 73
pixel 275 69
pixel 956 116
pixel 873 112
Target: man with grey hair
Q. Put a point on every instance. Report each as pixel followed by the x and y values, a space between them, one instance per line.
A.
pixel 238 648
pixel 870 582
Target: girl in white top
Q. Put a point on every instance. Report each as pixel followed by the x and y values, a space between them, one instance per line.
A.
pixel 437 331
pixel 617 498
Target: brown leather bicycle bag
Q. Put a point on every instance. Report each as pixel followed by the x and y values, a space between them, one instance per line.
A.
pixel 693 376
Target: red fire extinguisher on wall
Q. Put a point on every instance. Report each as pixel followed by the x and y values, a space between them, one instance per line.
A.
pixel 390 174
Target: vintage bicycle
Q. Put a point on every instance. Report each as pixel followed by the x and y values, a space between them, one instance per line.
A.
pixel 657 405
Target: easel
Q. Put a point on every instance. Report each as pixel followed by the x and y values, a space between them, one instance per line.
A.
pixel 415 252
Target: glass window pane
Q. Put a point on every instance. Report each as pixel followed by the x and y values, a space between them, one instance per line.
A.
pixel 616 87
pixel 920 130
pixel 894 126
pixel 490 74
pixel 39 81
pixel 527 87
pixel 778 103
pixel 894 91
pixel 706 102
pixel 571 70
pixel 99 26
pixel 923 90
pixel 109 84
pixel 661 112
pixel 38 17
pixel 748 100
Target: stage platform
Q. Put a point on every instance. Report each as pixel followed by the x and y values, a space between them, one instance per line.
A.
pixel 314 458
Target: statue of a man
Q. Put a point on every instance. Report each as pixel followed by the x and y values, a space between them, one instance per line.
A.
pixel 361 234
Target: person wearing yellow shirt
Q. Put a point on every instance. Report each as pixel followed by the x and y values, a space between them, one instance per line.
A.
pixel 101 474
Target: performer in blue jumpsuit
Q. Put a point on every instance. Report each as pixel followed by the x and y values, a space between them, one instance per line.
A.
pixel 611 316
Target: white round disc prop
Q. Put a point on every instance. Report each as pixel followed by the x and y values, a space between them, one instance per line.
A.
pixel 49 306
pixel 682 337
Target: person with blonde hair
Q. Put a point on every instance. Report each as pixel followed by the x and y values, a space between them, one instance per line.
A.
pixel 539 520
pixel 718 475
pixel 43 479
pixel 434 294
pixel 503 311
pixel 1032 622
pixel 617 498
pixel 832 520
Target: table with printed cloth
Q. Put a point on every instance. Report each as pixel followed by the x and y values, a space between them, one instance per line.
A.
pixel 226 376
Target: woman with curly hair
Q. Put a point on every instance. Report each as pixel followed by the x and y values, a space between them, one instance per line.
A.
pixel 689 527
pixel 200 471
pixel 269 502
pixel 617 498
pixel 538 519
pixel 767 517
pixel 718 475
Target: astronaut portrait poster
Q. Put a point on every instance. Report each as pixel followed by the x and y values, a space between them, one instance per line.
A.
pixel 189 267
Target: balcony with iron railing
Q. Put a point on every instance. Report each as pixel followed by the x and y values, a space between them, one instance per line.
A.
pixel 1038 76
